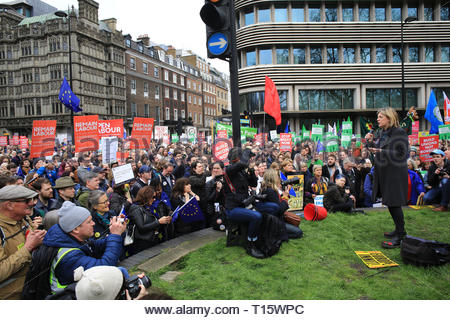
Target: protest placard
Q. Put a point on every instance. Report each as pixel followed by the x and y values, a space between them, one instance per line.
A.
pixel 110 128
pixel 318 200
pixel 221 149
pixel 413 139
pixel 347 127
pixel 3 141
pixel 428 144
pixel 43 138
pixel 141 134
pixel 162 133
pixel 86 133
pixel 285 142
pixel 346 139
pixel 444 132
pixel 175 137
pixel 123 173
pixel 23 142
pixel 415 127
pixel 273 135
pixel 15 141
pixel 222 134
pixel 317 132
pixel 296 203
pixel 110 145
pixel 260 137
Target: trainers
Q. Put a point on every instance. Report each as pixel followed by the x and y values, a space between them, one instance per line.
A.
pixel 389 235
pixel 395 242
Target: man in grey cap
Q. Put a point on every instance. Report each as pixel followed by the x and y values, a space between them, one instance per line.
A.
pixel 19 237
pixel 66 191
pixel 70 236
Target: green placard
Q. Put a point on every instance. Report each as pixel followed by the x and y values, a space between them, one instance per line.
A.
pixel 347 127
pixel 332 144
pixel 444 132
pixel 175 138
pixel 317 132
pixel 191 137
pixel 245 131
pixel 346 139
pixel 358 140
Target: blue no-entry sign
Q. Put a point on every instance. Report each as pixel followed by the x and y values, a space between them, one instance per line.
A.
pixel 217 43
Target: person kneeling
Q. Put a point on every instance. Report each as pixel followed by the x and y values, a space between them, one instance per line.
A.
pixel 338 198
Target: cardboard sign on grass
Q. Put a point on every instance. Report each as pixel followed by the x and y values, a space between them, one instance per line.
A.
pixel 375 259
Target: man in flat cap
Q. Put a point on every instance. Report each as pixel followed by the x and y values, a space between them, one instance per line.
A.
pixel 70 235
pixel 18 236
pixel 65 187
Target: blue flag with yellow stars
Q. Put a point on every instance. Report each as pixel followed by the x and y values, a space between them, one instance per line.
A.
pixel 68 98
pixel 189 212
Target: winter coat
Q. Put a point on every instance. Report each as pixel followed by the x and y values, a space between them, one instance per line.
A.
pixel 146 223
pixel 434 179
pixel 390 178
pixel 198 183
pixel 241 180
pixel 368 185
pixel 335 195
pixel 83 196
pixel 116 201
pixel 274 197
pixel 417 186
pixel 103 252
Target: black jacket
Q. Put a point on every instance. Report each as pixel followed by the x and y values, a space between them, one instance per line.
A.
pixel 116 201
pixel 212 196
pixel 146 223
pixel 241 179
pixel 198 186
pixel 273 196
pixel 334 196
pixel 433 178
pixel 136 187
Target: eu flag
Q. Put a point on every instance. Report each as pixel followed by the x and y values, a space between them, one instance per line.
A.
pixel 68 98
pixel 189 212
pixel 433 114
pixel 320 147
pixel 287 129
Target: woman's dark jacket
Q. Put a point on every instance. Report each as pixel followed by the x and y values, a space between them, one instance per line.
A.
pixel 212 197
pixel 335 196
pixel 273 196
pixel 116 201
pixel 241 180
pixel 390 178
pixel 198 182
pixel 147 224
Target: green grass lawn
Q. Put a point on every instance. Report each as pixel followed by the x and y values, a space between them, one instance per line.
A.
pixel 321 265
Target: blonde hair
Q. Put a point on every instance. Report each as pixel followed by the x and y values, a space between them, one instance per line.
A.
pixel 317 166
pixel 413 163
pixel 275 166
pixel 392 115
pixel 271 180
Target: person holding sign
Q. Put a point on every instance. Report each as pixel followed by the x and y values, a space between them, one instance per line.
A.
pixel 390 178
pixel 317 185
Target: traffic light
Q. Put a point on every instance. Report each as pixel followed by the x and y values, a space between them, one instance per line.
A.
pixel 216 15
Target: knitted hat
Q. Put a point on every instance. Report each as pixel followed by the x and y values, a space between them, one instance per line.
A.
pixel 98 283
pixel 71 216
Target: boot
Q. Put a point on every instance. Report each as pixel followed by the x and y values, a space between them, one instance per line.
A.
pixel 253 251
pixel 357 211
pixel 389 235
pixel 395 242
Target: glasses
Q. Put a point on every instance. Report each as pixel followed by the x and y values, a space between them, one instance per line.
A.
pixel 27 201
pixel 104 202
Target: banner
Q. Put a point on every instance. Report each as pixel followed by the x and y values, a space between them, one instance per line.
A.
pixel 110 128
pixel 162 132
pixel 222 134
pixel 346 138
pixel 260 136
pixel 3 141
pixel 221 150
pixel 296 203
pixel 415 127
pixel 248 133
pixel 317 132
pixel 86 133
pixel 15 140
pixel 428 144
pixel 444 132
pixel 23 142
pixel 175 137
pixel 110 145
pixel 285 142
pixel 43 138
pixel 413 139
pixel 142 133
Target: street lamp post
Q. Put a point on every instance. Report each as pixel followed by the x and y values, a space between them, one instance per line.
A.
pixel 62 14
pixel 408 19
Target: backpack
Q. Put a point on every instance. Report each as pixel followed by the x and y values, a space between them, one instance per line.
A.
pixel 421 252
pixel 272 234
pixel 37 280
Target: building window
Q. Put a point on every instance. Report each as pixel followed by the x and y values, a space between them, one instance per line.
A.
pixel 174 78
pixel 364 14
pixel 347 14
pixel 332 55
pixel 412 11
pixel 299 56
pixel 182 81
pixel 189 99
pixel 396 14
pixel 429 53
pixel 128 43
pixel 314 14
pixel 249 18
pixel 445 53
pixel 298 14
pixel 413 53
pixel 166 93
pixel 396 54
pixel 156 92
pixel 133 86
pixel 194 84
pixel 183 114
pixel 282 56
pixel 381 55
pixel 167 114
pixel 195 117
pixel 349 55
pixel 365 55
pixel 330 99
pixel 146 111
pixel 316 55
pixel 175 94
pixel 133 109
pixel 188 84
pixel 175 114
pixel 428 13
pixel 330 14
pixel 145 68
pixel 439 93
pixel 265 56
pixel 182 97
pixel 283 99
pixel 380 14
pixel 199 101
pixel 133 63
pixel 281 14
pixel 390 97
pixel 156 72
pixel 445 12
pixel 146 89
pixel 166 75
pixel 263 15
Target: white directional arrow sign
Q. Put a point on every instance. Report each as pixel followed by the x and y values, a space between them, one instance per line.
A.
pixel 222 43
pixel 217 43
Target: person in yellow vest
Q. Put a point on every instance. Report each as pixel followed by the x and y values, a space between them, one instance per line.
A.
pixel 19 236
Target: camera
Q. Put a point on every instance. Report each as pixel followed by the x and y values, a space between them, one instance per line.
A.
pixel 184 156
pixel 443 172
pixel 291 181
pixel 132 285
pixel 250 200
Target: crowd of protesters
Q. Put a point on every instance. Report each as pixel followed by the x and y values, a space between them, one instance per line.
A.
pixel 75 199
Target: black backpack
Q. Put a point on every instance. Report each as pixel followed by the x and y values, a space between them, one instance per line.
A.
pixel 37 280
pixel 423 252
pixel 271 236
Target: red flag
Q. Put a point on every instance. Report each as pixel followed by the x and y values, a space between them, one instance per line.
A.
pixel 272 101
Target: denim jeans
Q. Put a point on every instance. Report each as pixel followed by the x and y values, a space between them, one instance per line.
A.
pixel 439 194
pixel 253 218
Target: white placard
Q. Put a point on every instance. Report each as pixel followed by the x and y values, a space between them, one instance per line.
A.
pixel 123 173
pixel 110 146
pixel 347 126
pixel 318 200
pixel 317 130
pixel 273 135
pixel 162 132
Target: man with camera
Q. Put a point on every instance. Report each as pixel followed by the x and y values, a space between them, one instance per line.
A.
pixel 439 180
pixel 238 178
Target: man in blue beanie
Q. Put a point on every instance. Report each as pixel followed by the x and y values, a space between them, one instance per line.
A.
pixel 70 235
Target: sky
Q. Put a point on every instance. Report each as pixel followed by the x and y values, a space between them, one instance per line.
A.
pixel 170 22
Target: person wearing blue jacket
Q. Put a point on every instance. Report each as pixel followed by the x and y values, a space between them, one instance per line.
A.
pixel 71 235
pixel 416 187
pixel 368 184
